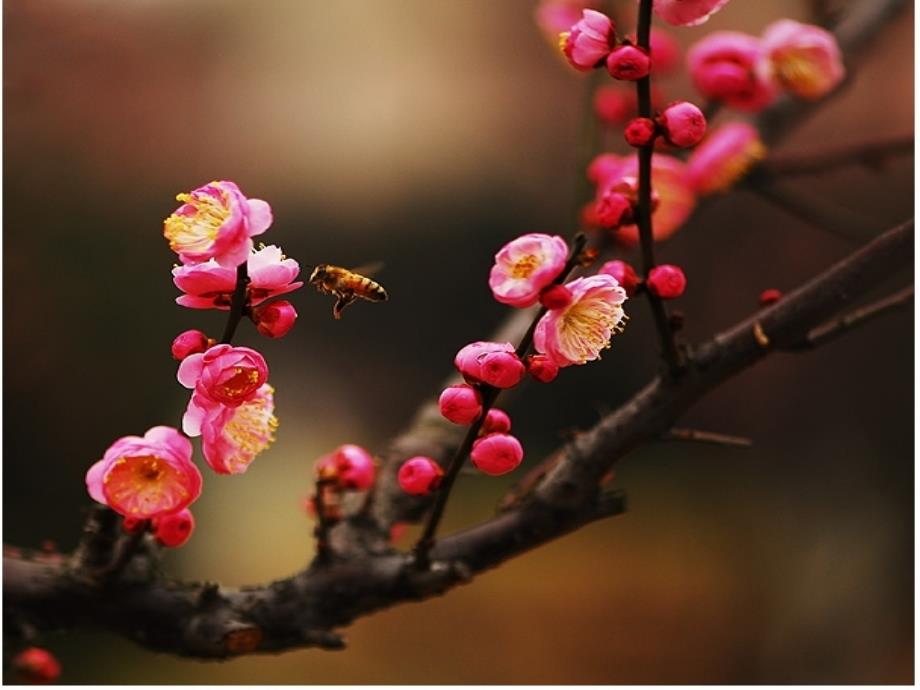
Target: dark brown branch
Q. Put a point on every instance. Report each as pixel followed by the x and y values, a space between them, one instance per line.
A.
pixel 206 621
pixel 869 154
pixel 698 436
pixel 237 302
pixel 858 317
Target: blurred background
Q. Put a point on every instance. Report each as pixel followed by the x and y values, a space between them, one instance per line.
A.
pixel 425 135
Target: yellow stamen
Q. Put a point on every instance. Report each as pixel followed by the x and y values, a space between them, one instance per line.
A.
pixel 524 266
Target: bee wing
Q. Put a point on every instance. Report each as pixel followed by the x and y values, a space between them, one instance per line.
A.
pixel 369 269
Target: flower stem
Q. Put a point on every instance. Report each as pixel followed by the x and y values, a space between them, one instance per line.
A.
pixel 237 303
pixel 489 396
pixel 669 349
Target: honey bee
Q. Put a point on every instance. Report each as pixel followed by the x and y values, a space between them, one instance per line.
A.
pixel 346 285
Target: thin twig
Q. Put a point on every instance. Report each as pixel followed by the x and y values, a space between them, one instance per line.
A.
pixel 489 396
pixel 699 436
pixel 237 303
pixel 858 317
pixel 869 154
pixel 669 348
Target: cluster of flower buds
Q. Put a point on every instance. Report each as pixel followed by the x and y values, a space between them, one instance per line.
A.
pixel 151 480
pixel 349 468
pixel 578 320
pixel 747 72
pixel 592 42
pixel 682 124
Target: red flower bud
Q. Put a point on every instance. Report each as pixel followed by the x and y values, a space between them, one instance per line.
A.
pixel 542 368
pixel 497 454
pixel 556 297
pixel 174 529
pixel 189 343
pixel 418 476
pixel 274 319
pixel 640 131
pixel 460 404
pixel 683 124
pixel 770 296
pixel 496 422
pixel 624 273
pixel 667 281
pixel 36 666
pixel 629 63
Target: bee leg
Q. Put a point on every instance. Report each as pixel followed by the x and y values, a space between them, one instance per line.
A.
pixel 340 304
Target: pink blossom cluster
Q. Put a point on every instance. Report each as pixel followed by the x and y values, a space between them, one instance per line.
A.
pixel 349 468
pixel 152 480
pixel 748 72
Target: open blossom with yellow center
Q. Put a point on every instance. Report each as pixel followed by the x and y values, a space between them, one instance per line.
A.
pixel 225 374
pixel 216 221
pixel 724 157
pixel 579 332
pixel 525 266
pixel 145 477
pixel 233 436
pixel 803 58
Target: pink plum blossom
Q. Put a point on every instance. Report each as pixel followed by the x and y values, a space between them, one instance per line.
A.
pixel 724 157
pixel 232 437
pixel 216 221
pixel 687 12
pixel 578 333
pixel 724 66
pixel 145 477
pixel 525 266
pixel 553 17
pixel 209 285
pixel 589 40
pixel 224 374
pixel 802 58
pixel 497 454
pixel 174 529
pixel 460 404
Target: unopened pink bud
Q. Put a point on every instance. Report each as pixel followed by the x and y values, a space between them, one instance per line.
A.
pixel 497 454
pixel 628 63
pixel 496 422
pixel 640 131
pixel 624 273
pixel 274 319
pixel 683 124
pixel 542 368
pixel 770 296
pixel 460 404
pixel 612 209
pixel 188 343
pixel 556 297
pixel 174 529
pixel 355 467
pixel 418 476
pixel 35 666
pixel 667 281
pixel 501 369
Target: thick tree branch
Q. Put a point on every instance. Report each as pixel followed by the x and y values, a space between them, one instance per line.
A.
pixel 870 154
pixel 203 620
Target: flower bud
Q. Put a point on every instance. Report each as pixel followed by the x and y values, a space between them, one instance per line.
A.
pixel 629 63
pixel 624 273
pixel 556 297
pixel 189 342
pixel 666 281
pixel 613 209
pixel 770 296
pixel 418 476
pixel 542 368
pixel 356 467
pixel 497 454
pixel 640 131
pixel 174 529
pixel 460 404
pixel 683 124
pixel 501 369
pixel 274 319
pixel 36 666
pixel 496 422
pixel 588 41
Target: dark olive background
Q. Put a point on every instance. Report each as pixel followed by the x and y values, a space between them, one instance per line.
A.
pixel 425 135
